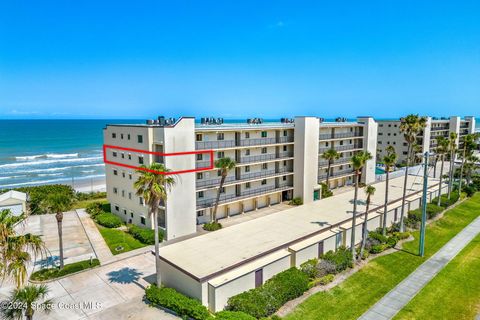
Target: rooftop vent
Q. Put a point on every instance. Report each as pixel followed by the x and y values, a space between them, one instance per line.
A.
pixel 321 120
pixel 211 121
pixel 287 120
pixel 255 121
pixel 340 119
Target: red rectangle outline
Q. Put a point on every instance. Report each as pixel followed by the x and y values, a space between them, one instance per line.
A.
pixel 210 152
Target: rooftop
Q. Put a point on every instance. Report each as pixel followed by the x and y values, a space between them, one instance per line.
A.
pixel 209 255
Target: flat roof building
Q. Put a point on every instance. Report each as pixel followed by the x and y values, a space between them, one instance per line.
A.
pixel 275 162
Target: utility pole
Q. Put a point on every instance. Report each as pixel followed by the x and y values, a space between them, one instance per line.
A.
pixel 421 248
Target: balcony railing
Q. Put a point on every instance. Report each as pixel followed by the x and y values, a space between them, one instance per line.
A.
pixel 265 157
pixel 329 136
pixel 341 148
pixel 335 174
pixel 244 177
pixel 202 164
pixel 205 203
pixel 440 128
pixel 324 163
pixel 241 143
pixel 212 182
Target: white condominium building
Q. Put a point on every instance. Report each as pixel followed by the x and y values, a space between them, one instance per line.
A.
pixel 389 134
pixel 275 162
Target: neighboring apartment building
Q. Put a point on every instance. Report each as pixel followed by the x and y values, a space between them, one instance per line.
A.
pixel 389 134
pixel 275 162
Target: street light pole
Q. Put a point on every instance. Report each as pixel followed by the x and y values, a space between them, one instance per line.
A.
pixel 421 248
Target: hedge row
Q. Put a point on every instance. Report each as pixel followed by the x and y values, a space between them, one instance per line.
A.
pixel 144 235
pixel 53 273
pixel 39 193
pixel 108 220
pixel 268 298
pixel 445 202
pixel 342 258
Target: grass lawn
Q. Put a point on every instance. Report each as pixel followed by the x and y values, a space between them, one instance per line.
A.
pixel 83 203
pixel 115 238
pixel 53 273
pixel 354 296
pixel 454 293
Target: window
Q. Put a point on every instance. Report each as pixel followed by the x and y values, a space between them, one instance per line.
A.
pixel 130 195
pixel 131 214
pixel 123 155
pixel 140 160
pixel 199 156
pixel 247 152
pixel 220 136
pixel 395 134
pixel 394 142
pixel 219 173
pixel 220 154
pixel 114 135
pixel 140 200
pixel 200 194
pixel 326 144
pixel 264 134
pixel 199 175
pixel 285 133
pixel 115 172
pixel 247 135
pixel 130 176
pixel 350 141
pixel 117 208
pixel 139 138
pixel 379 142
pixel 123 193
pixel 380 133
pixel 284 148
pixel 114 154
pixel 200 213
pixel 264 150
pixel 123 174
pixel 264 166
pixel 341 142
pixel 124 211
pixel 405 152
pixel 264 181
pixel 389 134
pixel 222 190
pixel 389 125
pixel 284 178
pixel 247 168
pixel 129 156
pixel 115 190
pixel 380 125
pixel 199 137
pixel 247 185
pixel 128 136
pixel 142 220
pixel 284 163
pixel 121 135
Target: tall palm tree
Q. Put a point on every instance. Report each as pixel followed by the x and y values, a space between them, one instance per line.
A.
pixel 58 203
pixel 369 191
pixel 411 126
pixel 358 162
pixel 389 160
pixel 452 148
pixel 153 187
pixel 441 150
pixel 25 301
pixel 467 150
pixel 16 249
pixel 225 165
pixel 330 155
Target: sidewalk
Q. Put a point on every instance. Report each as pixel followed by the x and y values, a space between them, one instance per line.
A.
pixel 399 296
pixel 100 248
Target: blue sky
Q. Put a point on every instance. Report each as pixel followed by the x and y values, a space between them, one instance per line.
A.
pixel 137 59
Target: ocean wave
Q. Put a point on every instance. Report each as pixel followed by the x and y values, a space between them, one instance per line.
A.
pixel 87 171
pixel 41 182
pixel 49 174
pixel 46 156
pixel 45 162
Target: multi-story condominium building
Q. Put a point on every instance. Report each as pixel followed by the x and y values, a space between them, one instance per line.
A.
pixel 274 162
pixel 389 134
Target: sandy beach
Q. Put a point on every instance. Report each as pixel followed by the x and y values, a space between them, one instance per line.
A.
pixel 89 185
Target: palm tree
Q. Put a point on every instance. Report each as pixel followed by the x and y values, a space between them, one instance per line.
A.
pixel 225 165
pixel 452 147
pixel 153 187
pixel 358 162
pixel 16 249
pixel 441 150
pixel 25 301
pixel 369 191
pixel 330 155
pixel 58 203
pixel 410 126
pixel 467 150
pixel 389 160
pixel 470 167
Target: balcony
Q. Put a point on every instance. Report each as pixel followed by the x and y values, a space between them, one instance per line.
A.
pixel 340 136
pixel 244 177
pixel 335 174
pixel 199 145
pixel 342 148
pixel 324 163
pixel 265 157
pixel 206 203
pixel 440 128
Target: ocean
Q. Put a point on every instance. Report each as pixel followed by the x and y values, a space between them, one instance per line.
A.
pixel 34 152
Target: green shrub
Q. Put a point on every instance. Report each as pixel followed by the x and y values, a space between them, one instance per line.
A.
pixel 53 273
pixel 144 235
pixel 444 202
pixel 82 196
pixel 233 315
pixel 391 242
pixel 342 258
pixel 415 215
pixel 323 280
pixel 378 248
pixel 108 220
pixel 94 209
pixel 433 210
pixel 470 190
pixel 377 236
pixel 310 268
pixel 265 300
pixel 182 305
pixel 39 193
pixel 212 226
pixel 401 235
pixel 296 201
pixel 326 192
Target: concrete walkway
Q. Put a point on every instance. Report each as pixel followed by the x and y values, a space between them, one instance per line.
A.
pixel 101 249
pixel 399 296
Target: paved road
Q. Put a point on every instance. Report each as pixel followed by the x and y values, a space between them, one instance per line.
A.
pixel 399 296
